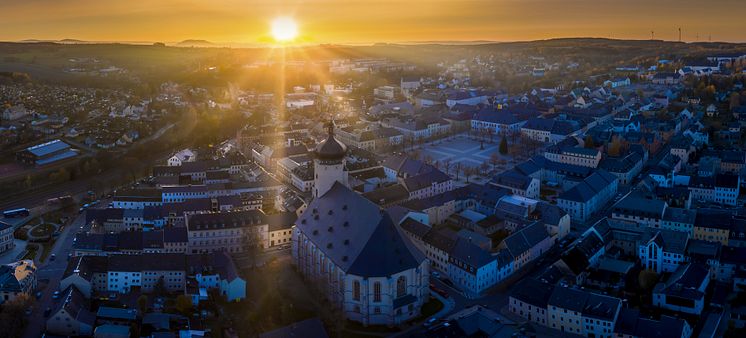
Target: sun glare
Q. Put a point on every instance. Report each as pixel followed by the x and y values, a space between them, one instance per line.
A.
pixel 284 29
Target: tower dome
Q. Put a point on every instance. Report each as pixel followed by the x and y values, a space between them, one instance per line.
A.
pixel 331 149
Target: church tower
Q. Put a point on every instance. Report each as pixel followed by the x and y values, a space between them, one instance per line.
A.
pixel 329 164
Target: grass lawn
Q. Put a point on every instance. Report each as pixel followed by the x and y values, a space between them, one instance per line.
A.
pixel 42 230
pixel 46 249
pixel 431 307
pixel 21 233
pixel 31 250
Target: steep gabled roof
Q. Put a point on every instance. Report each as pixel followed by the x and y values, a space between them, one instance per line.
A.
pixel 356 235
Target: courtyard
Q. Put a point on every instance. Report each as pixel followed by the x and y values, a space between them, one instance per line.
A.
pixel 462 149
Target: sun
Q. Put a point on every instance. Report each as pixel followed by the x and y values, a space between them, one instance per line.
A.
pixel 284 29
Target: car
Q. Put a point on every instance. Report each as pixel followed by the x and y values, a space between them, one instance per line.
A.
pixel 38 294
pixel 430 321
pixel 47 311
pixel 52 257
pixel 56 295
pixel 29 311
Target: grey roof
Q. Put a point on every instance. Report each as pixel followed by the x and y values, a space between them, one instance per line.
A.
pixel 636 205
pixel 630 323
pixel 441 239
pixel 416 228
pixel 147 262
pixel 526 238
pixel 221 220
pixel 512 179
pixel 533 292
pixel 116 313
pixel 414 183
pixel 601 307
pixel 216 262
pixel 685 282
pixel 680 215
pixel 358 236
pixel 549 214
pixel 567 298
pixel 280 221
pixel 406 166
pixel 668 240
pixel 577 258
pixel 471 254
pixel 589 188
pixel 398 213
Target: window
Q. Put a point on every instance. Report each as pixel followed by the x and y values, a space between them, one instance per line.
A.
pixel 377 291
pixel 356 290
pixel 401 286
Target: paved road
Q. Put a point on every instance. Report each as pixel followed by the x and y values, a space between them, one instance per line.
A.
pixel 52 271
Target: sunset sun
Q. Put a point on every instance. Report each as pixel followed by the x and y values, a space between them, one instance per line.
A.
pixel 284 29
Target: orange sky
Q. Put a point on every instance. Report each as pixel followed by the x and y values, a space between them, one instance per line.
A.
pixel 366 21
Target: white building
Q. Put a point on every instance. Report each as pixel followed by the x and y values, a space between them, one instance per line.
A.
pixel 589 196
pixel 18 278
pixel 6 237
pixel 662 250
pixel 186 155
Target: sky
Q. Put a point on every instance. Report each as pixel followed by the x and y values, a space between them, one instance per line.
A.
pixel 370 21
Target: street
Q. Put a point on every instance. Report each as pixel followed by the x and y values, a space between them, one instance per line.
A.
pixel 52 271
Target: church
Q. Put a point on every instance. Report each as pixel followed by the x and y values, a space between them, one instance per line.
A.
pixel 352 250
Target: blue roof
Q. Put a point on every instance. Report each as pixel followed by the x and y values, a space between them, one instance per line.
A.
pixel 47 148
pixel 58 157
pixel 469 253
pixel 496 116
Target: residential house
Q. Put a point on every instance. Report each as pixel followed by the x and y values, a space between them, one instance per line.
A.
pixel 589 196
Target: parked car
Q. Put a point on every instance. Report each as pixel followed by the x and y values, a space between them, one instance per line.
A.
pixel 430 321
pixel 52 257
pixel 56 295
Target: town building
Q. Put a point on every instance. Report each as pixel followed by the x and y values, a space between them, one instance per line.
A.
pixel 353 251
pixel 17 278
pixel 589 196
pixel 46 153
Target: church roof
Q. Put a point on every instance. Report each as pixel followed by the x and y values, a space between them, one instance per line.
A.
pixel 331 148
pixel 357 235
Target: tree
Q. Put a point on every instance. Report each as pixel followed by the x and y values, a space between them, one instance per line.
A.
pixel 735 100
pixel 183 304
pixel 647 279
pixel 12 316
pixel 142 303
pixel 589 142
pixel 504 146
pixel 615 147
pixel 494 159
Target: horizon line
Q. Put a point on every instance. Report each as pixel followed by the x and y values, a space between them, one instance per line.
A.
pixel 260 44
